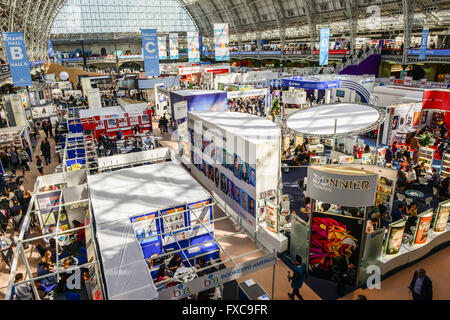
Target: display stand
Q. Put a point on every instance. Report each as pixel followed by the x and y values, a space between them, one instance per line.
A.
pixel 445 165
pixel 426 155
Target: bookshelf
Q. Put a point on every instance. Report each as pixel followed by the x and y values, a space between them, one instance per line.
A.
pixel 385 192
pixel 445 165
pixel 426 155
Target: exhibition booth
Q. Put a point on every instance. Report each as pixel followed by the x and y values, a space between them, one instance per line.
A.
pixel 235 156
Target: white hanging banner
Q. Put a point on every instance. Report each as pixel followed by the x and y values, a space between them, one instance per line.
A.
pixel 173 43
pixel 193 47
pixel 162 48
pixel 221 41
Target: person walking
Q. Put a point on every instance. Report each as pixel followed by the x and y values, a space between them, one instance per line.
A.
pixel 297 278
pixel 45 149
pixel 16 214
pixel 421 286
pixel 23 159
pixel 50 129
pixel 14 160
pixel 39 165
pixel 45 127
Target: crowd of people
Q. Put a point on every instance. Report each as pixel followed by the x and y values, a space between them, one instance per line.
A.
pixel 253 105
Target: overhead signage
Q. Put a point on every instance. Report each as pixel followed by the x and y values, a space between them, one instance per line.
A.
pixel 51 52
pixel 310 84
pixel 221 41
pixel 173 44
pixel 293 97
pixel 162 48
pixel 193 47
pixel 246 93
pixel 17 58
pixel 324 46
pixel 217 278
pixel 423 43
pixel 352 189
pixel 150 52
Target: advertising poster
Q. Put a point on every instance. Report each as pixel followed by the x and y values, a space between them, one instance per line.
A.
pixel 423 43
pixel 112 123
pixel 423 227
pixel 193 47
pixel 271 216
pixel 17 58
pixel 221 41
pixel 150 52
pixel 335 239
pixel 162 48
pixel 199 214
pixel 394 237
pixel 173 221
pixel 145 226
pixel 442 217
pixel 173 45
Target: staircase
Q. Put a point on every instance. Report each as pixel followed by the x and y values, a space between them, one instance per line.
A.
pixel 368 63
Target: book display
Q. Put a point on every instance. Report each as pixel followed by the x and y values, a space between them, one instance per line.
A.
pixel 384 192
pixel 445 165
pixel 426 155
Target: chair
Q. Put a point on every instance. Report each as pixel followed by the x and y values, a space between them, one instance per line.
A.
pixel 408 201
pixel 401 197
pixel 72 296
pixel 428 202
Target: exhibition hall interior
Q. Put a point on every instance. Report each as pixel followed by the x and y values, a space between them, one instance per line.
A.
pixel 224 150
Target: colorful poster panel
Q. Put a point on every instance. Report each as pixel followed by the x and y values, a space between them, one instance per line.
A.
pixel 271 216
pixel 251 206
pixel 216 177
pixel 146 226
pixel 230 188
pixel 223 183
pixel 229 164
pixel 252 176
pixel 335 239
pixel 423 227
pixel 173 221
pixel 112 123
pixel 236 167
pixel 236 194
pixel 244 200
pixel 243 171
pixel 394 237
pixel 441 220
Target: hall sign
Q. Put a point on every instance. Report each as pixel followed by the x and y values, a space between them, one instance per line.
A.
pixel 211 280
pixel 354 188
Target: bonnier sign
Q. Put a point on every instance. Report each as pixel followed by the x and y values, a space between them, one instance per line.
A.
pixel 352 188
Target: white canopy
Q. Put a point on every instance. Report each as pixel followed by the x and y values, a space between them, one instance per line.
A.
pixel 320 120
pixel 119 195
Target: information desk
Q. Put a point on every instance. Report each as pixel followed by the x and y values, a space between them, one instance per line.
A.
pixel 408 254
pixel 250 290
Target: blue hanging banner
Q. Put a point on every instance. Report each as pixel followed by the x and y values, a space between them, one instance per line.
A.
pixel 17 58
pixel 423 44
pixel 150 52
pixel 200 41
pixel 51 52
pixel 324 46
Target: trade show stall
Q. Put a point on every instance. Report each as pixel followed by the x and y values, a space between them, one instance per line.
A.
pixel 240 167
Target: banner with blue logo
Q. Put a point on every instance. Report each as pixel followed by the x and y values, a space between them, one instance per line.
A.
pixel 17 58
pixel 150 52
pixel 423 43
pixel 221 41
pixel 200 42
pixel 324 46
pixel 193 47
pixel 51 52
pixel 173 44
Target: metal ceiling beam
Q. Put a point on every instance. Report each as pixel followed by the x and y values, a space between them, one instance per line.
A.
pixel 351 7
pixel 311 15
pixel 408 19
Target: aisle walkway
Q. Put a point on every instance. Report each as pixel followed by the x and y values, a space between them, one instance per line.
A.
pixel 29 181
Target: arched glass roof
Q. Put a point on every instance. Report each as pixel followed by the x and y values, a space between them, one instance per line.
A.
pixel 114 16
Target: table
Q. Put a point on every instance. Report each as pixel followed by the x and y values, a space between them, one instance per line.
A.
pixel 414 194
pixel 185 274
pixel 64 240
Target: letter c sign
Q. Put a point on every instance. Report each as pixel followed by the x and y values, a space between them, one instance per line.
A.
pixel 150 47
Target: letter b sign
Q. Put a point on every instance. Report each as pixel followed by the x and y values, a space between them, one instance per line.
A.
pixel 16 53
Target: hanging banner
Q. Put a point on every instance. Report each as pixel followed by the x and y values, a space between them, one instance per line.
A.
pixel 200 42
pixel 51 52
pixel 162 48
pixel 193 47
pixel 221 41
pixel 394 237
pixel 17 58
pixel 423 43
pixel 150 52
pixel 173 44
pixel 324 46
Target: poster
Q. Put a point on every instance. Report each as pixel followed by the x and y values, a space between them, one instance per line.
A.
pixel 272 216
pixel 173 45
pixel 334 237
pixel 173 220
pixel 145 226
pixel 112 123
pixel 122 122
pixel 134 121
pixel 423 227
pixel 200 214
pixel 193 47
pixel 441 220
pixel 162 48
pixel 221 41
pixel 17 57
pixel 394 237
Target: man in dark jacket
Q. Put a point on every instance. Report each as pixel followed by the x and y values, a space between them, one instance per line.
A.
pixel 388 156
pixel 45 149
pixel 421 286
